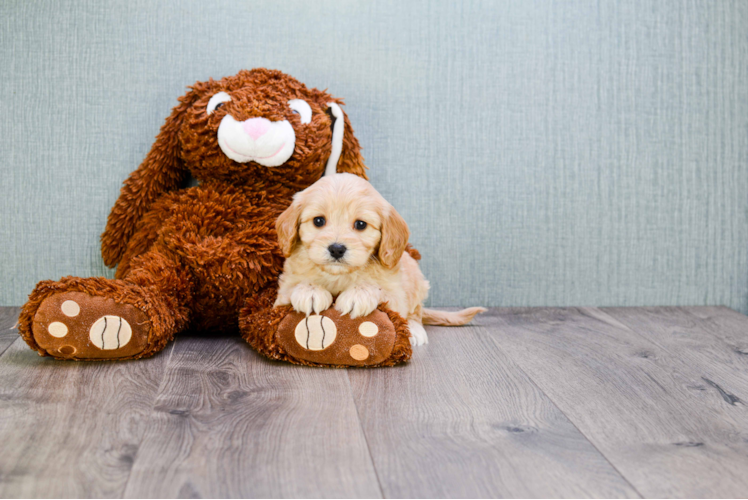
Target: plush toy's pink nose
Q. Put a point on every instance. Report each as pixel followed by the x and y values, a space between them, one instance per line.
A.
pixel 256 127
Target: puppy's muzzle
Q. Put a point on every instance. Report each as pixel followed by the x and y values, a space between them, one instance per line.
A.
pixel 337 251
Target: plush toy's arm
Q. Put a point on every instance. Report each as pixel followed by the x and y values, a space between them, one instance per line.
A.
pixel 162 171
pixel 141 189
pixel 146 233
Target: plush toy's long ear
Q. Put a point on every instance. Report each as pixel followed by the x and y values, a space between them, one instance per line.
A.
pixel 346 152
pixel 287 227
pixel 162 170
pixel 395 236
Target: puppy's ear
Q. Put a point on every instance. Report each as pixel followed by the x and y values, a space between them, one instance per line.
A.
pixel 162 170
pixel 287 227
pixel 345 156
pixel 395 236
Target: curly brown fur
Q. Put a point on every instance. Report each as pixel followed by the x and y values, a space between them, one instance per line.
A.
pixel 413 252
pixel 194 257
pixel 258 322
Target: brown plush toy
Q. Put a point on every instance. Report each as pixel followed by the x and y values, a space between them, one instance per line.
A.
pixel 206 257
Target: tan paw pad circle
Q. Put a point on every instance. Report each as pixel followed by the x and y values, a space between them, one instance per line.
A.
pixel 359 352
pixel 110 332
pixel 70 308
pixel 368 329
pixel 316 332
pixel 67 350
pixel 57 329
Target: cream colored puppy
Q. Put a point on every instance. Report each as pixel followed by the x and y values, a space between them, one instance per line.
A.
pixel 341 238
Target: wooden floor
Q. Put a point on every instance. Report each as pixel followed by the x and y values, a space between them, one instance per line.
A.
pixel 636 402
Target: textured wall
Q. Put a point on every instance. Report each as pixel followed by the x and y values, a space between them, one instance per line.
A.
pixel 544 153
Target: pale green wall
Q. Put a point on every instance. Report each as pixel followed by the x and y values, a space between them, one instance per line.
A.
pixel 544 153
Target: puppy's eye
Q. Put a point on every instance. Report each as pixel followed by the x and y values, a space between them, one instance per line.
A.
pixel 359 225
pixel 217 101
pixel 319 221
pixel 301 108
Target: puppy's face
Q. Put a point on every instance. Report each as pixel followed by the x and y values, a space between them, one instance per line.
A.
pixel 340 230
pixel 342 223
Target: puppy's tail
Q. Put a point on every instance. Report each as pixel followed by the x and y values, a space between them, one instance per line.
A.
pixel 450 318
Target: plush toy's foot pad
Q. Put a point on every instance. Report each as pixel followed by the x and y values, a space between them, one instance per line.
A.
pixel 337 340
pixel 75 325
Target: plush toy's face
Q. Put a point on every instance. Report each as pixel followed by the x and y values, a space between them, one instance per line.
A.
pixel 261 125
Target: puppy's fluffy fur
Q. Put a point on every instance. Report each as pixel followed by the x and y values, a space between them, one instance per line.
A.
pixel 373 268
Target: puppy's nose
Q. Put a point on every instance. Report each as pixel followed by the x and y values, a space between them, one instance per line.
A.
pixel 337 250
pixel 256 127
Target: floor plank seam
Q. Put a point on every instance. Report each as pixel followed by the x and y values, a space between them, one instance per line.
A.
pixel 166 366
pixel 589 440
pixel 363 432
pixel 152 410
pixel 532 381
pixel 12 328
pixel 622 322
pixel 685 311
pixel 2 353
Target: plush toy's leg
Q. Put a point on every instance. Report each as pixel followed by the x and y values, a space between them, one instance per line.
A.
pixel 329 339
pixel 99 318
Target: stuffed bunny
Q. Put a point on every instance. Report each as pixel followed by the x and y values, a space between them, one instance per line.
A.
pixel 206 257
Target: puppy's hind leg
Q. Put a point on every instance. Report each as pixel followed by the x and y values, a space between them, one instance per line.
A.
pixel 418 334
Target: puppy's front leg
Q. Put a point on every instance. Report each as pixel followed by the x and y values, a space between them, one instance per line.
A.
pixel 359 300
pixel 307 298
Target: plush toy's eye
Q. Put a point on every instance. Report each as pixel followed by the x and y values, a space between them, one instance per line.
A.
pixel 360 225
pixel 301 108
pixel 217 101
pixel 319 221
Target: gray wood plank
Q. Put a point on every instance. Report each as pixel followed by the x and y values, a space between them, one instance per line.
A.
pixel 71 429
pixel 699 322
pixel 8 331
pixel 462 420
pixel 644 408
pixel 709 339
pixel 229 423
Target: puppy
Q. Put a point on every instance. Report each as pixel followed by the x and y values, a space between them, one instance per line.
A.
pixel 341 238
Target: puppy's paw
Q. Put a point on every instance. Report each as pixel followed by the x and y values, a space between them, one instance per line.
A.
pixel 417 333
pixel 310 299
pixel 358 301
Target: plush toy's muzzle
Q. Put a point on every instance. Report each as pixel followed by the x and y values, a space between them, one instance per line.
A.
pixel 259 140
